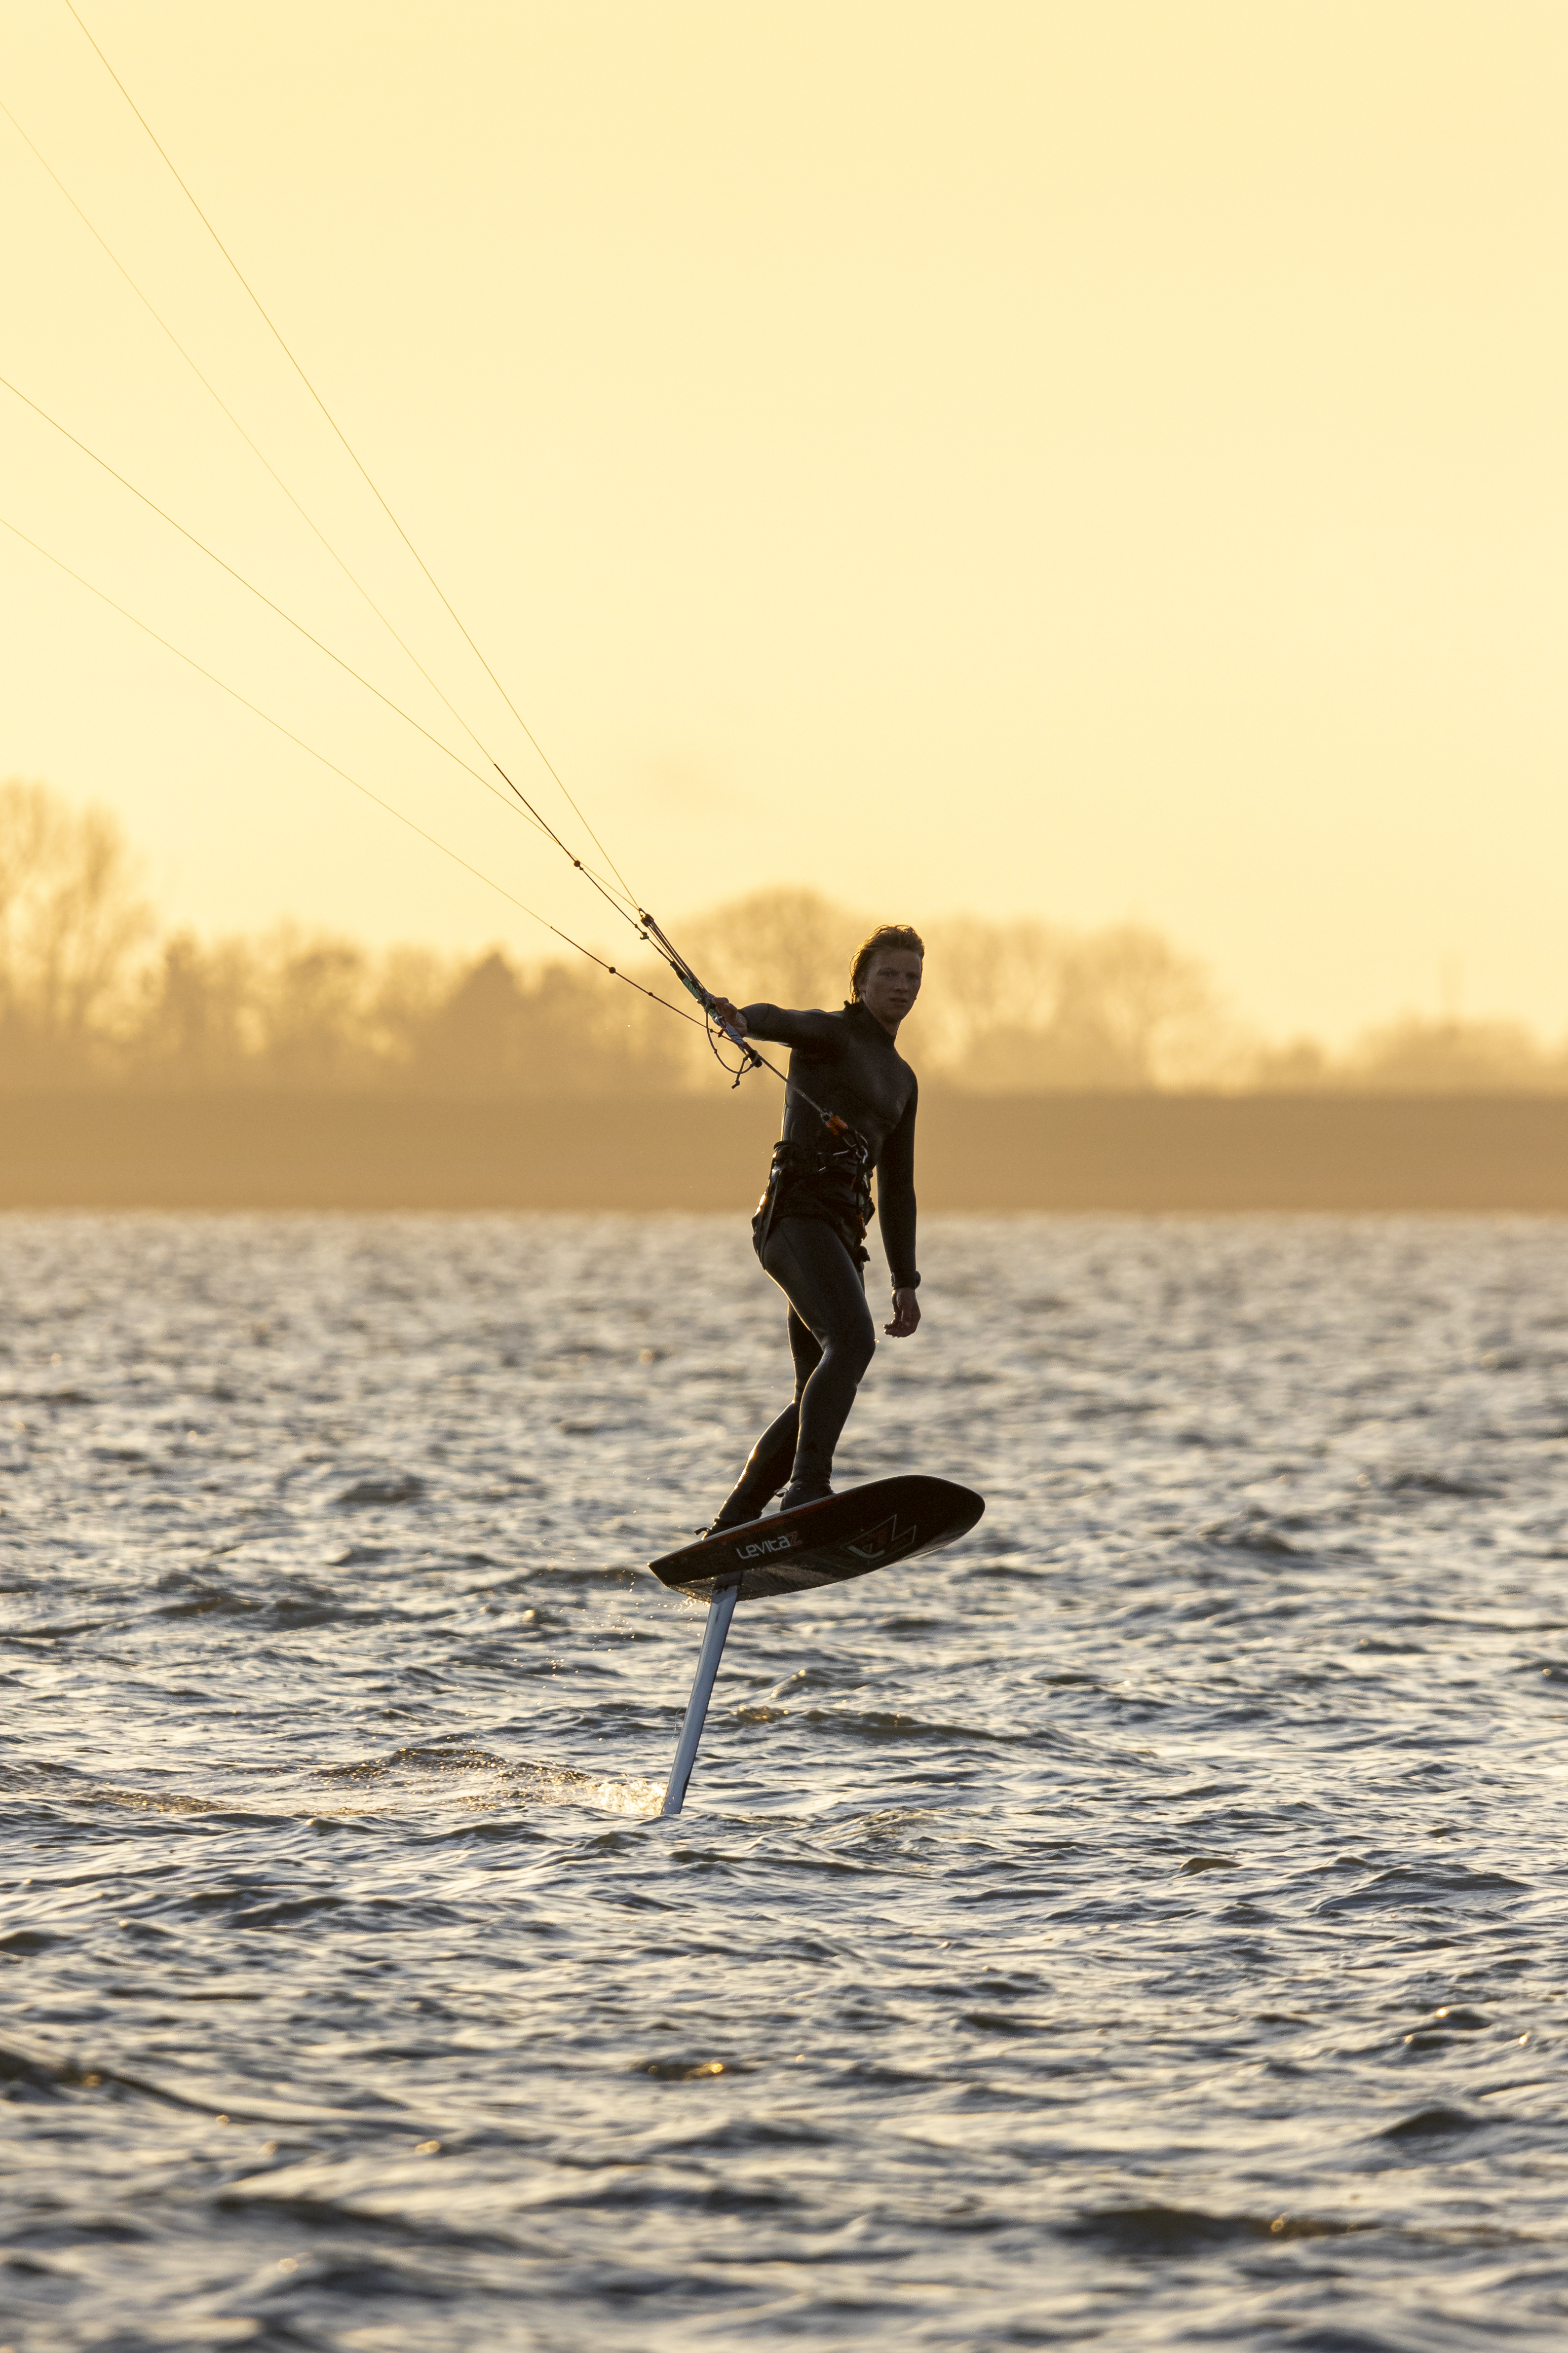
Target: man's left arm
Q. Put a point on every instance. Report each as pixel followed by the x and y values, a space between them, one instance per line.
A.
pixel 896 1215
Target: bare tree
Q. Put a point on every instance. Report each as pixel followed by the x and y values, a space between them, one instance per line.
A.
pixel 1023 1006
pixel 1010 1006
pixel 1136 1012
pixel 990 986
pixel 1414 1056
pixel 1301 1066
pixel 782 947
pixel 71 918
pixel 559 1030
pixel 195 1020
pixel 314 1009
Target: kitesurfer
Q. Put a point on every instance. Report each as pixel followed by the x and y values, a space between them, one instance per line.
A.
pixel 849 1108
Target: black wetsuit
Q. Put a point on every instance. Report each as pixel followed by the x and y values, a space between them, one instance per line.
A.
pixel 810 1225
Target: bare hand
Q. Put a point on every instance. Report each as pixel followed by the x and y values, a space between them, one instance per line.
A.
pixel 730 1017
pixel 906 1314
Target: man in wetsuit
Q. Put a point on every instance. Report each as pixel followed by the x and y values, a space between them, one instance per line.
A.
pixel 850 1107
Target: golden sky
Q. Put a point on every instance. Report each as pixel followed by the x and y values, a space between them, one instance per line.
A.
pixel 1088 458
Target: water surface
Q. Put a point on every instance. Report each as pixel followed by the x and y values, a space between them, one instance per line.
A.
pixel 1143 1925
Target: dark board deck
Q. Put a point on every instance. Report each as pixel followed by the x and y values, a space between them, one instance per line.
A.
pixel 869 1527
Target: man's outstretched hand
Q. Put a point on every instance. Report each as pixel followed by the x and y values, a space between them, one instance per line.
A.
pixel 906 1314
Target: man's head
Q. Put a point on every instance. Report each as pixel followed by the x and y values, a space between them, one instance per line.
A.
pixel 886 973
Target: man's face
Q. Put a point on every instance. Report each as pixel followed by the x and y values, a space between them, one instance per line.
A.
pixel 891 985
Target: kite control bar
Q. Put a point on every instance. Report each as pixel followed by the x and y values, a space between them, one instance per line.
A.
pixel 705 997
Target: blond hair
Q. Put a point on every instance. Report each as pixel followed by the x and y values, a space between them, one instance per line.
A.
pixel 886 935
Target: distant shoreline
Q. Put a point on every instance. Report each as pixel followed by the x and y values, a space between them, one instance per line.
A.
pixel 257 1150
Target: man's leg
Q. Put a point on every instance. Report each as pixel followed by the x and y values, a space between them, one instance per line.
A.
pixel 770 1460
pixel 826 1293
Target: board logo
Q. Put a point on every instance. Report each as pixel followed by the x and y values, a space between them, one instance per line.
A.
pixel 786 1543
pixel 882 1543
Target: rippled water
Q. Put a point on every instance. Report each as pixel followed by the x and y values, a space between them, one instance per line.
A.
pixel 1143 1925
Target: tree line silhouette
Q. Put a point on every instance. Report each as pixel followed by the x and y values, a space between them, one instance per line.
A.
pixel 92 994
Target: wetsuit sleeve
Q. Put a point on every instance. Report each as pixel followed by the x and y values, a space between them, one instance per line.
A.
pixel 896 1198
pixel 775 1026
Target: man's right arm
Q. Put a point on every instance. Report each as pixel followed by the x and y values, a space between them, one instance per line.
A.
pixel 776 1026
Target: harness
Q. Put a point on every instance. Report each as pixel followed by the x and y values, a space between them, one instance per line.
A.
pixel 829 1181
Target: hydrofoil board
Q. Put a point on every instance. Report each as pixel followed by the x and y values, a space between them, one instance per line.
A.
pixel 843 1535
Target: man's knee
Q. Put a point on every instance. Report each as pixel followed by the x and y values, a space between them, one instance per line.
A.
pixel 851 1346
pixel 861 1347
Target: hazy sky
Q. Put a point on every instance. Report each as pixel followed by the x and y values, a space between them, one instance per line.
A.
pixel 1091 457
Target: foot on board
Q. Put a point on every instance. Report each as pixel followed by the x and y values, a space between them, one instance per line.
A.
pixel 803 1491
